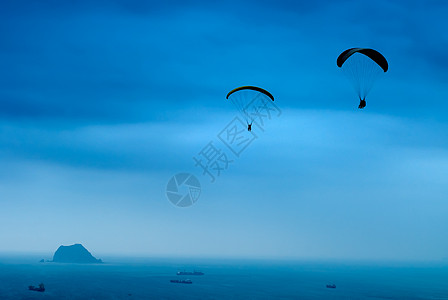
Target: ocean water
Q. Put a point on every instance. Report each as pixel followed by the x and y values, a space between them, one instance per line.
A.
pixel 226 279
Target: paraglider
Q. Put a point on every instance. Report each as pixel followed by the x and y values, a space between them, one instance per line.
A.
pixel 244 98
pixel 362 66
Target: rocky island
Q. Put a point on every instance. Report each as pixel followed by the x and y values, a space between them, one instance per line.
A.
pixel 74 254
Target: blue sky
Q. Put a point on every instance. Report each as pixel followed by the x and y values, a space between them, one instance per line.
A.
pixel 103 101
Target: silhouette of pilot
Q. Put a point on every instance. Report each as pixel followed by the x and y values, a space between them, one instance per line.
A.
pixel 362 103
pixel 249 127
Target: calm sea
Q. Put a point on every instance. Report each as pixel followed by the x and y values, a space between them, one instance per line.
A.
pixel 150 279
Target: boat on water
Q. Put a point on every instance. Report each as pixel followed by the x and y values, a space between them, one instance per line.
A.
pixel 40 288
pixel 331 286
pixel 187 281
pixel 190 273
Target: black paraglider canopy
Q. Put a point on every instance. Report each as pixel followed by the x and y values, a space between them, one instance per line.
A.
pixel 372 54
pixel 249 87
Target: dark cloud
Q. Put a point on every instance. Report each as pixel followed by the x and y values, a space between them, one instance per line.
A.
pixel 105 61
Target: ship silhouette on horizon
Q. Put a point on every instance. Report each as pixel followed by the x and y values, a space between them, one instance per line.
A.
pixel 194 273
pixel 41 288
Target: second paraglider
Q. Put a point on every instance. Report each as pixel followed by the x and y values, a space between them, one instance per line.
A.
pixel 242 97
pixel 362 66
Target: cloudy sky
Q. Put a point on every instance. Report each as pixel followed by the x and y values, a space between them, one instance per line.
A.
pixel 102 102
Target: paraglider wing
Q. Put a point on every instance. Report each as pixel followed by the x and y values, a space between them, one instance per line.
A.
pixel 372 54
pixel 248 87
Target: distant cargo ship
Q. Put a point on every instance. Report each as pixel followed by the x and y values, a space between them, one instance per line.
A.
pixel 41 288
pixel 190 273
pixel 331 286
pixel 187 281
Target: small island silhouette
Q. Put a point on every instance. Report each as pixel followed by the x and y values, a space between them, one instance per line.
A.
pixel 74 254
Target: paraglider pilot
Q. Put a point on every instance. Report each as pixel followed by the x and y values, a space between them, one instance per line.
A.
pixel 249 127
pixel 362 103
